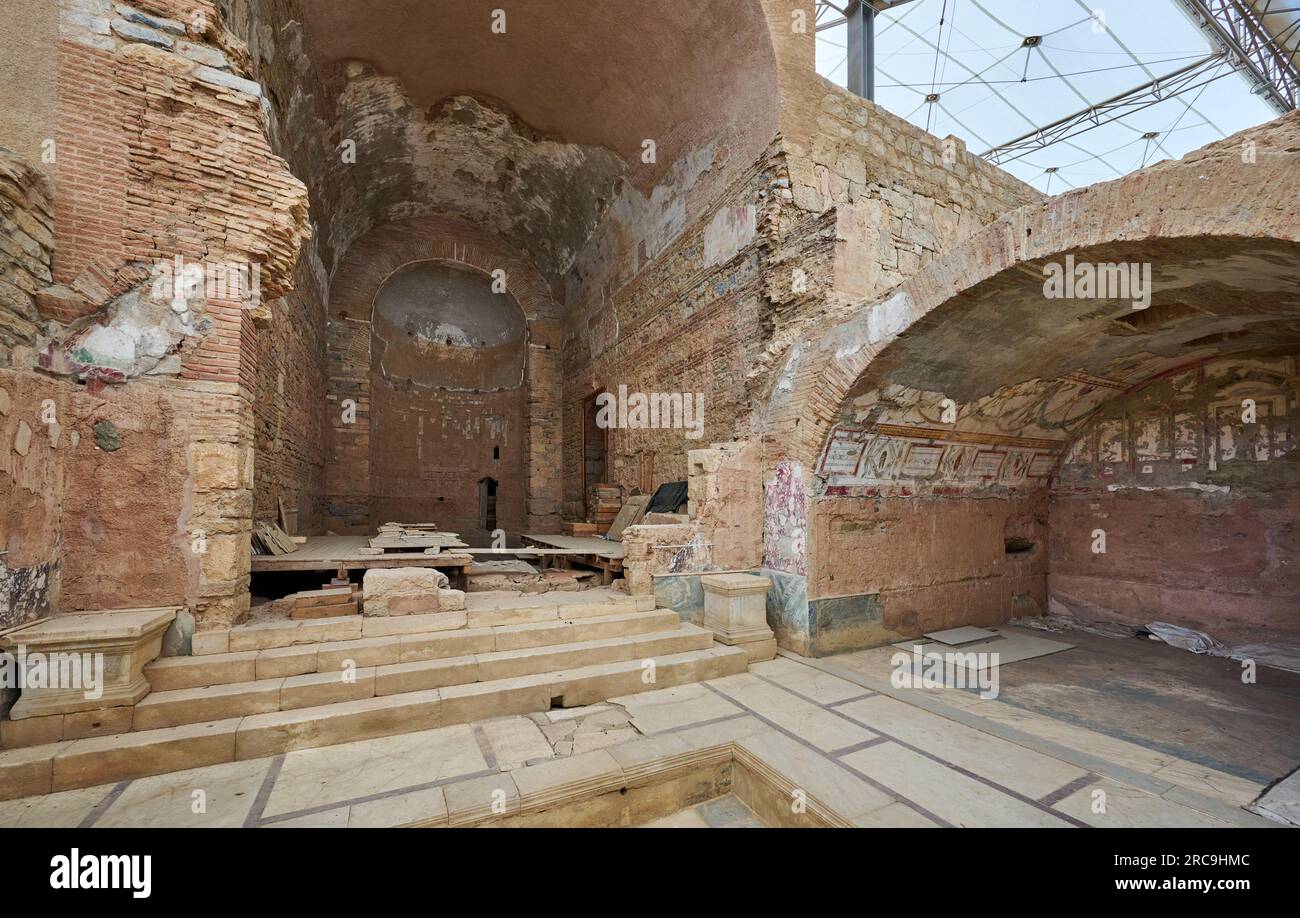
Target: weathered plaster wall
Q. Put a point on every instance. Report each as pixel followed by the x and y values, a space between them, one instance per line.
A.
pixel 31 493
pixel 118 498
pixel 29 36
pixel 894 568
pixel 1198 500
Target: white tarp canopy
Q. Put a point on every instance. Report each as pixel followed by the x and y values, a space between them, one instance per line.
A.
pixel 992 87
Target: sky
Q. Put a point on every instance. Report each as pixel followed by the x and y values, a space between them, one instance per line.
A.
pixel 992 89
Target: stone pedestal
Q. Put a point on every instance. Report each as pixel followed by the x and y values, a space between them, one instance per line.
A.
pixel 69 649
pixel 735 610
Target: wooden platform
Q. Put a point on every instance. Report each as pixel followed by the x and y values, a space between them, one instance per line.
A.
pixel 342 553
pixel 588 551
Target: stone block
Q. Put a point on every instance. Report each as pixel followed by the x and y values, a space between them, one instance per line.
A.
pixel 208 642
pixel 314 689
pixel 735 607
pixel 105 759
pixel 425 675
pixel 263 735
pixel 417 647
pixel 170 673
pixel 92 661
pixel 374 651
pixel 28 772
pixel 282 662
pixel 215 702
pixel 33 731
pixel 404 591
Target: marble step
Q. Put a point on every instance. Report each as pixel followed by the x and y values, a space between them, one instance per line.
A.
pixel 107 759
pixel 237 699
pixel 483 610
pixel 173 673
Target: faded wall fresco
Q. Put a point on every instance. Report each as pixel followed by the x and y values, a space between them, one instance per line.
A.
pixel 1195 482
pixel 785 520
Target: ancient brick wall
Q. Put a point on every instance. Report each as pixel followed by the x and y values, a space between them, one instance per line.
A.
pixel 693 320
pixel 289 404
pixel 159 158
pixel 438 440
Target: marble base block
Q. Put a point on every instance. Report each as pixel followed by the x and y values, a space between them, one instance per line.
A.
pixel 127 640
pixel 735 610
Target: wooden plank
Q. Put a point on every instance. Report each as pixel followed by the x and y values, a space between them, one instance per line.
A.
pixel 321 597
pixel 602 548
pixel 333 610
pixel 531 552
pixel 631 514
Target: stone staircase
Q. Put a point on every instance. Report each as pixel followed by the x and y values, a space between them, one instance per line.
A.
pixel 269 688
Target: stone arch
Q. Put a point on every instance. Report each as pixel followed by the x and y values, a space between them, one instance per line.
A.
pixel 1209 208
pixel 895 518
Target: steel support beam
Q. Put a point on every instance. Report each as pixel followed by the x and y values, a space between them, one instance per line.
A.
pixel 860 17
pixel 1236 29
pixel 862 49
pixel 1206 70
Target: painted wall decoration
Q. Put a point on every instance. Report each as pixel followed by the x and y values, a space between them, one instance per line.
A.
pixel 785 520
pixel 895 460
pixel 1223 424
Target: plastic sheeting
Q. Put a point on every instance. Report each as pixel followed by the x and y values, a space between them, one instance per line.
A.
pixel 1278 656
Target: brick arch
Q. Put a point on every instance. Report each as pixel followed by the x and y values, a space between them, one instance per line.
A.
pixel 1211 202
pixel 369 262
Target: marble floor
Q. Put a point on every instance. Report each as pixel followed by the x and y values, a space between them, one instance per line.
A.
pixel 721 813
pixel 835 728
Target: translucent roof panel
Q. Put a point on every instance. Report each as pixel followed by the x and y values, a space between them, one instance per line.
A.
pixel 990 87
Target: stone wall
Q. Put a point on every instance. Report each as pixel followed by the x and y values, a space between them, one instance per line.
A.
pixel 893 193
pixel 966 384
pixel 26 250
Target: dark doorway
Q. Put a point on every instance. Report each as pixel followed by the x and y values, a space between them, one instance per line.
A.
pixel 487 504
pixel 593 449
